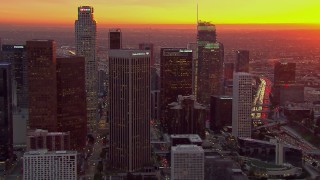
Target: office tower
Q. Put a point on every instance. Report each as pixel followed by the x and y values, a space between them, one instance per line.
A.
pixel 228 71
pixel 220 112
pixel 194 47
pixel 155 93
pixel 210 63
pixel 186 116
pixel 129 84
pixel 72 114
pixel 50 165
pixel 175 78
pixel 115 39
pixel 242 61
pixel 242 105
pixel 149 47
pixel 16 55
pixel 6 136
pixel 86 36
pixel 42 139
pixel 42 84
pixel 102 75
pixel 187 162
pixel 284 73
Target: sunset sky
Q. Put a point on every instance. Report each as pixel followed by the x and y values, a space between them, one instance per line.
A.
pixel 162 11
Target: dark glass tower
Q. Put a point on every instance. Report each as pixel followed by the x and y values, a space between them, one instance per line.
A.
pixel 6 134
pixel 220 112
pixel 210 63
pixel 16 55
pixel 175 78
pixel 71 94
pixel 284 73
pixel 42 81
pixel 149 47
pixel 115 39
pixel 242 61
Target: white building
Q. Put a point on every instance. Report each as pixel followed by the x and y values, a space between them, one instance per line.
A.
pixel 52 165
pixel 129 93
pixel 86 34
pixel 242 105
pixel 187 162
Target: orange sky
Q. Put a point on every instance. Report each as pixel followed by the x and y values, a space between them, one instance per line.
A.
pixel 150 12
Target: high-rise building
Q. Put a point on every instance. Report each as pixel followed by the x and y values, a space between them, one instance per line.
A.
pixel 86 35
pixel 42 84
pixel 149 47
pixel 71 94
pixel 210 63
pixel 228 71
pixel 242 61
pixel 50 165
pixel 187 116
pixel 242 105
pixel 53 141
pixel 220 112
pixel 284 73
pixel 16 55
pixel 6 134
pixel 175 78
pixel 194 47
pixel 115 39
pixel 187 162
pixel 129 84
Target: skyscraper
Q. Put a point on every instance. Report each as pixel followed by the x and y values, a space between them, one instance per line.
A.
pixel 284 73
pixel 210 63
pixel 71 94
pixel 242 105
pixel 85 31
pixel 115 39
pixel 187 116
pixel 220 112
pixel 175 78
pixel 16 55
pixel 42 84
pixel 242 61
pixel 6 134
pixel 129 84
pixel 187 162
pixel 228 71
pixel 149 47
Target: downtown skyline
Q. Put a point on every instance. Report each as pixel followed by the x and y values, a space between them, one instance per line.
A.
pixel 155 13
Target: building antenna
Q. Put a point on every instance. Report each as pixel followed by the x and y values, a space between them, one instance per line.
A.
pixel 197 13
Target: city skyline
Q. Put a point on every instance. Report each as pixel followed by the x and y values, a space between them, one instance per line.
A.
pixel 152 13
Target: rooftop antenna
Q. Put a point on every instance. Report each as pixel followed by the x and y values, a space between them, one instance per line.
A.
pixel 197 13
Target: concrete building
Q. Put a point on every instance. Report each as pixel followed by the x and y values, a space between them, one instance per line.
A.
pixel 85 39
pixel 180 139
pixel 242 105
pixel 50 165
pixel 42 139
pixel 129 84
pixel 186 116
pixel 187 162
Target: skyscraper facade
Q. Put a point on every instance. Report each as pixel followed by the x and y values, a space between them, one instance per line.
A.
pixel 220 112
pixel 175 78
pixel 242 61
pixel 242 105
pixel 210 63
pixel 149 47
pixel 129 84
pixel 115 39
pixel 71 94
pixel 284 73
pixel 187 116
pixel 86 35
pixel 6 134
pixel 42 84
pixel 187 162
pixel 16 55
